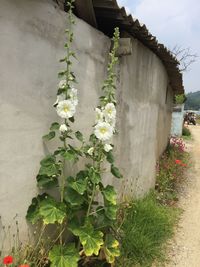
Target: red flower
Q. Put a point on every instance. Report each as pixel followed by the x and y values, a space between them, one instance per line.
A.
pixel 178 161
pixel 24 265
pixel 8 260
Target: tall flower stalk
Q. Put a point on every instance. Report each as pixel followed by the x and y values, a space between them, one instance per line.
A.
pixel 78 209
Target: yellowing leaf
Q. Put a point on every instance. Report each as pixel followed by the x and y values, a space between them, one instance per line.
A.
pixel 52 211
pixel 111 248
pixel 91 239
pixel 110 194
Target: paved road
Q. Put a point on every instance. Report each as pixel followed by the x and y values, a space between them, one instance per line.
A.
pixel 185 251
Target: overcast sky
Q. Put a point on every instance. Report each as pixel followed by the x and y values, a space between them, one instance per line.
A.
pixel 173 22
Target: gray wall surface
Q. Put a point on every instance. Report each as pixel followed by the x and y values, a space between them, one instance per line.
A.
pixel 31 45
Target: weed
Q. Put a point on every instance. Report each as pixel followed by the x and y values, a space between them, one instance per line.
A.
pixel 146 226
pixel 186 132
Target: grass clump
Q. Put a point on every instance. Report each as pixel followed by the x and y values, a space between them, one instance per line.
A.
pixel 145 227
pixel 186 132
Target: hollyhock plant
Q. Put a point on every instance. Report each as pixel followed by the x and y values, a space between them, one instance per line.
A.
pixel 75 208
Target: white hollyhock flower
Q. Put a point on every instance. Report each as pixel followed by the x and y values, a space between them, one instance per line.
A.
pixel 112 122
pixel 103 131
pixel 90 151
pixel 109 111
pixel 66 109
pixel 63 128
pixel 62 84
pixel 107 147
pixel 98 115
pixel 60 97
pixel 73 94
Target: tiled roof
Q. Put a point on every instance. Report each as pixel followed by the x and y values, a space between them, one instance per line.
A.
pixel 105 15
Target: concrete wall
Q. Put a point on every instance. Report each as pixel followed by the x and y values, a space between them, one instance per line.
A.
pixel 31 45
pixel 177 120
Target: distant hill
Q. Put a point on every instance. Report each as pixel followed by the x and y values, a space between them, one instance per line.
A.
pixel 193 101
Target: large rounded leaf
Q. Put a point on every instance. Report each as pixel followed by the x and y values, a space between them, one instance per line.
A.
pixel 73 197
pixel 44 181
pixel 52 211
pixel 64 256
pixel 49 166
pixel 33 215
pixel 91 239
pixel 79 185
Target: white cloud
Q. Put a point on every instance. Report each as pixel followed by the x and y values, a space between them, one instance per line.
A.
pixel 172 22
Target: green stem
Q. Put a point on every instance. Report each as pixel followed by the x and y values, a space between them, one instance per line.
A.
pixel 91 200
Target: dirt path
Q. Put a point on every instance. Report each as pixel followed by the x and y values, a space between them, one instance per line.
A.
pixel 185 250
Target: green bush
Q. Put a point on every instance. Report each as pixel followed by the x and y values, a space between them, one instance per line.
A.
pixel 186 131
pixel 146 226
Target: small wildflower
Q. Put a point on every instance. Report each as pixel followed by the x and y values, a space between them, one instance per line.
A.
pixel 8 260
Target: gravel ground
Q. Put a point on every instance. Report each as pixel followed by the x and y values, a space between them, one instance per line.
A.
pixel 185 247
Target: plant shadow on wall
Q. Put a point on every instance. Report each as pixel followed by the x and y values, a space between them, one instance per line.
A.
pixel 145 225
pixel 85 212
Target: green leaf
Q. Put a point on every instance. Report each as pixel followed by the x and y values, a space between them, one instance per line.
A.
pixel 79 185
pixel 82 175
pixel 111 211
pixel 44 181
pixel 33 214
pixel 94 175
pixel 69 155
pixel 91 239
pixel 61 90
pixel 73 197
pixel 49 167
pixel 49 136
pixel 64 256
pixel 63 59
pixel 48 160
pixel 115 171
pixel 92 138
pixel 79 136
pixel 72 119
pixel 102 219
pixel 110 157
pixel 49 170
pixel 55 126
pixel 77 151
pixel 52 211
pixel 61 74
pixel 110 194
pixel 111 248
